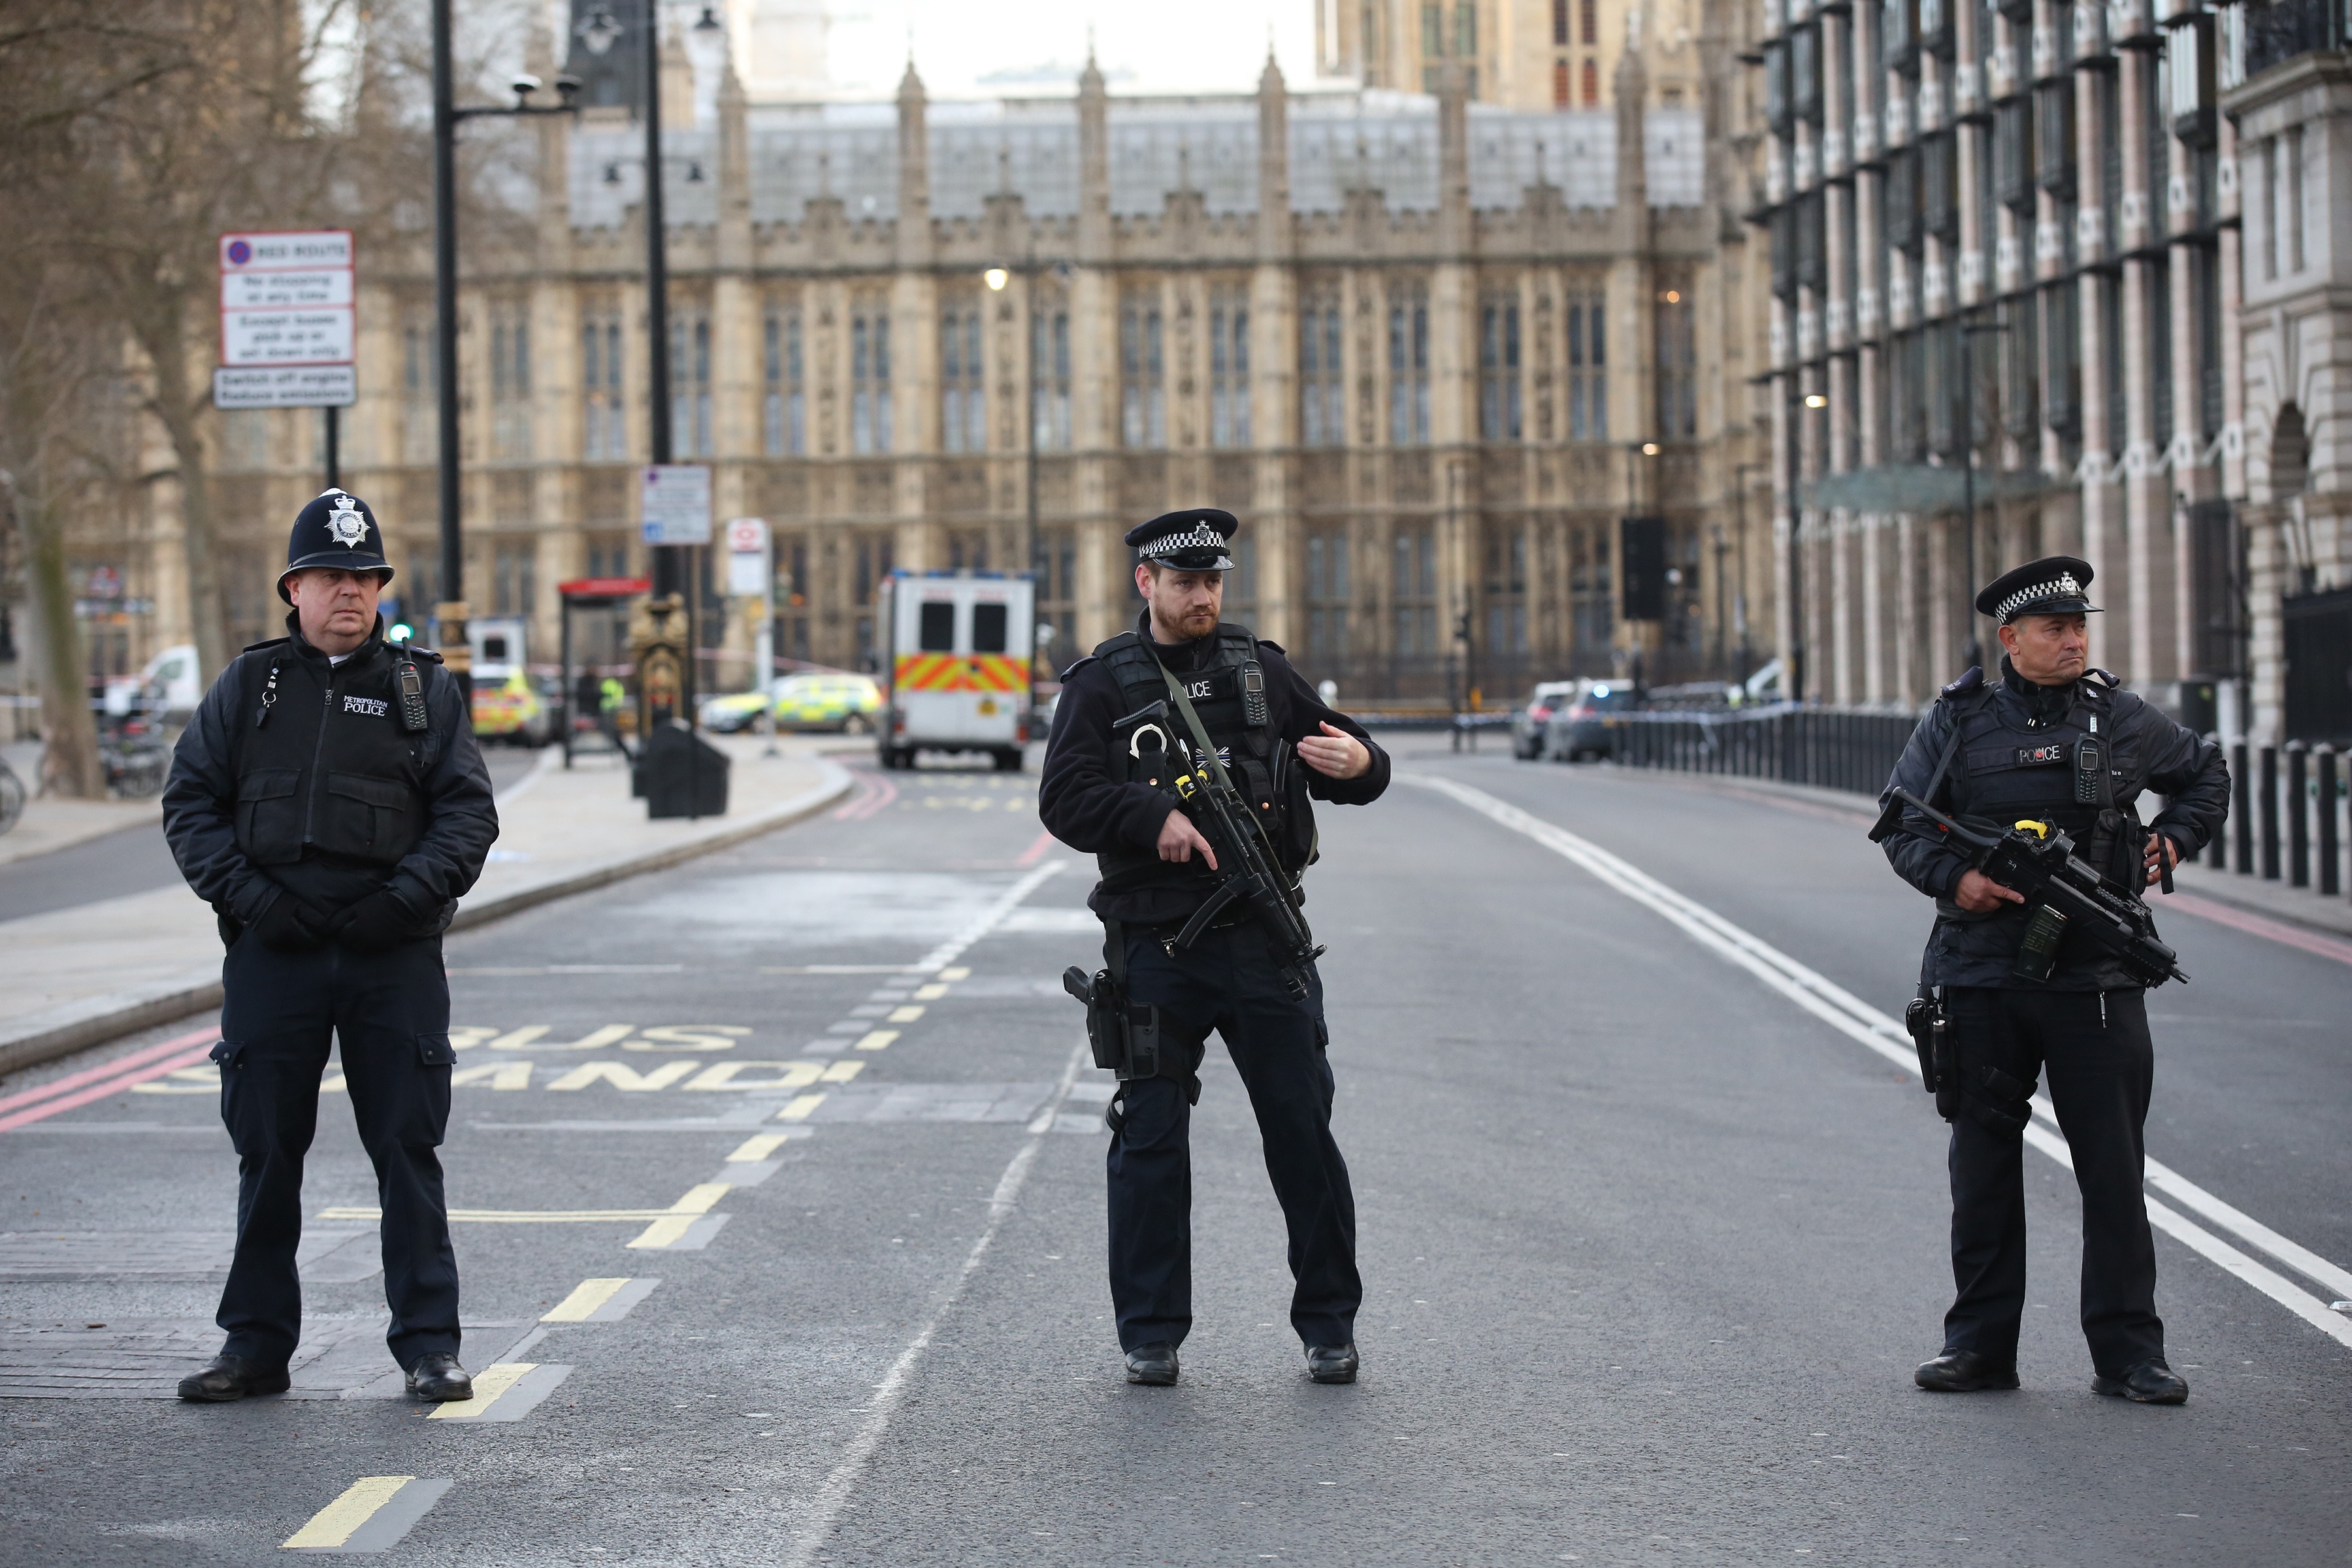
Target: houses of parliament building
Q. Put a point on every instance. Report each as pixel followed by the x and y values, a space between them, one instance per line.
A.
pixel 1431 350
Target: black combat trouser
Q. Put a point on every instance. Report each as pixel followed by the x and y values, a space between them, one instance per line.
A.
pixel 390 1012
pixel 2101 1064
pixel 1227 981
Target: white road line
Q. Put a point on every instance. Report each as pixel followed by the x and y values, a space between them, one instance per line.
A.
pixel 891 1392
pixel 948 951
pixel 1848 1014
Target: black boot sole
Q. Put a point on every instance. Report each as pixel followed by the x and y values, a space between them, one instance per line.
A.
pixel 1346 1376
pixel 196 1396
pixel 1999 1384
pixel 2115 1388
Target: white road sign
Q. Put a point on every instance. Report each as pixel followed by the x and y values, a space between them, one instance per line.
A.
pixel 746 557
pixel 287 300
pixel 673 501
pixel 304 386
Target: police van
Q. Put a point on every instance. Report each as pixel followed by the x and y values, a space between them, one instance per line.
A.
pixel 954 653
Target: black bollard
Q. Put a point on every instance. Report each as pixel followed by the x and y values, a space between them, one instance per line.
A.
pixel 2330 880
pixel 2266 805
pixel 2242 781
pixel 2298 818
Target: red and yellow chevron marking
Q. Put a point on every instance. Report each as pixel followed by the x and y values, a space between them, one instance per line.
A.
pixel 960 672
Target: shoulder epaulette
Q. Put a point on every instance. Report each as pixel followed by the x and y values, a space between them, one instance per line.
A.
pixel 1269 642
pixel 267 642
pixel 2102 677
pixel 1972 681
pixel 1083 662
pixel 424 655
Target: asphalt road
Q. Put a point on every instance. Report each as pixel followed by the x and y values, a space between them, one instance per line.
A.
pixel 1650 1250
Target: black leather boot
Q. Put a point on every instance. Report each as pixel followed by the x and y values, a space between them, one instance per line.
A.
pixel 2149 1383
pixel 438 1377
pixel 1965 1372
pixel 226 1377
pixel 1154 1365
pixel 1332 1363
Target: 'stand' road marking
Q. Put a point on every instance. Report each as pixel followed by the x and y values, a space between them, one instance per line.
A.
pixel 373 1514
pixel 1855 1018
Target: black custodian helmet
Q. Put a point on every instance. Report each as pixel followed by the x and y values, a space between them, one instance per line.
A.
pixel 337 530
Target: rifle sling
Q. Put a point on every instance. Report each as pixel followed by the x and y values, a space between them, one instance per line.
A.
pixel 1208 752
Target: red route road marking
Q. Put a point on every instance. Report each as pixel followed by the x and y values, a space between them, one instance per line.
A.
pixel 1035 852
pixel 2220 913
pixel 154 1068
pixel 110 1069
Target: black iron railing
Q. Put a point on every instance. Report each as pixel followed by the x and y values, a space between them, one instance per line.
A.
pixel 1830 748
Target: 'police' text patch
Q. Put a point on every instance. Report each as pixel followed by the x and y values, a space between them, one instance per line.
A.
pixel 2041 756
pixel 374 707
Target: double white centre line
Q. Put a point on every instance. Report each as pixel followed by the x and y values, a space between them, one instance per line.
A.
pixel 1855 1018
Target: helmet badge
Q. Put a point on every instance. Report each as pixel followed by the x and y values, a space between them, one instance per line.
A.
pixel 345 526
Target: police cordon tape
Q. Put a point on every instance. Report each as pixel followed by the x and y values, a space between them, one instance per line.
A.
pixel 1855 1018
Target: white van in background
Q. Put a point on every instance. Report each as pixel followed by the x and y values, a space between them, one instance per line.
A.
pixel 955 663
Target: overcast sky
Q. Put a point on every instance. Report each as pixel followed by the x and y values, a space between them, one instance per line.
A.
pixel 1195 45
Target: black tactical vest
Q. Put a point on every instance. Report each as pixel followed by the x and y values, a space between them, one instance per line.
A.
pixel 1262 764
pixel 2061 769
pixel 324 770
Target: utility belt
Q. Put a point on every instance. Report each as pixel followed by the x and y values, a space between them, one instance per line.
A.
pixel 1135 1040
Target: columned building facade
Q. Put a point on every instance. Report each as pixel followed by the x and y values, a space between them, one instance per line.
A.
pixel 2005 239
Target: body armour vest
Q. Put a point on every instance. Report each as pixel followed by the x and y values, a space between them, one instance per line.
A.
pixel 330 787
pixel 2063 769
pixel 1228 692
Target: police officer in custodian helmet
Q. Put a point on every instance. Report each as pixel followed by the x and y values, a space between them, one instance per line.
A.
pixel 329 802
pixel 1265 722
pixel 2026 746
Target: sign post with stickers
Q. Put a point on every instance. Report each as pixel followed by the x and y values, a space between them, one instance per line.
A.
pixel 751 574
pixel 289 333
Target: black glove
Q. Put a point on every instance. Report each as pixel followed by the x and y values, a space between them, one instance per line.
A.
pixel 380 920
pixel 290 925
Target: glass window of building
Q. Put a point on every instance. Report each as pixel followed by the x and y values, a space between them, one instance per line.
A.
pixel 962 422
pixel 1498 369
pixel 1320 394
pixel 1049 348
pixel 869 378
pixel 1506 602
pixel 1677 361
pixel 1588 367
pixel 1408 365
pixel 510 379
pixel 1229 367
pixel 785 418
pixel 604 412
pixel 1142 390
pixel 1327 597
pixel 1588 28
pixel 1592 602
pixel 420 429
pixel 1412 592
pixel 689 382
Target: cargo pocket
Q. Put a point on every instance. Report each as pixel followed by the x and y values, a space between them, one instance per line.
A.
pixel 435 1051
pixel 229 1057
pixel 424 1115
pixel 268 816
pixel 369 819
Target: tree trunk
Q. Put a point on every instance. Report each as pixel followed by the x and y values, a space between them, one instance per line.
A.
pixel 70 764
pixel 162 338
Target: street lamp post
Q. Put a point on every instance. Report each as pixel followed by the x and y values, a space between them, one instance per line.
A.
pixel 1739 473
pixel 450 612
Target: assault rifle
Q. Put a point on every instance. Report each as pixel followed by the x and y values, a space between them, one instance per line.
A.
pixel 2064 894
pixel 1252 873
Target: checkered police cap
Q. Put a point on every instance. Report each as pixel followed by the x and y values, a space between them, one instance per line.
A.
pixel 1193 540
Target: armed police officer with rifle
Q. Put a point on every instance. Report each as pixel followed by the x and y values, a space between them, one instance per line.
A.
pixel 1185 756
pixel 2015 808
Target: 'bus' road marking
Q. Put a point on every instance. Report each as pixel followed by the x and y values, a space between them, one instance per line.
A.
pixel 372 1515
pixel 601 1300
pixel 1855 1018
pixel 816 1523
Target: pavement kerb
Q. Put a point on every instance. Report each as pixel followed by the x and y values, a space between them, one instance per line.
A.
pixel 96 1020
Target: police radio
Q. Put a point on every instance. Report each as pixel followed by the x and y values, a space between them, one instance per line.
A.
pixel 408 691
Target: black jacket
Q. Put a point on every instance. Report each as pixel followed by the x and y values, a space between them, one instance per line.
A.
pixel 2147 751
pixel 1084 807
pixel 333 730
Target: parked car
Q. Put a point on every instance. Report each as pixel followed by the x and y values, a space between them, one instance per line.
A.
pixel 1586 725
pixel 810 701
pixel 1530 721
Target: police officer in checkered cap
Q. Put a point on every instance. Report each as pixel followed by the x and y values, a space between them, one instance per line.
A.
pixel 1204 965
pixel 2050 740
pixel 329 803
